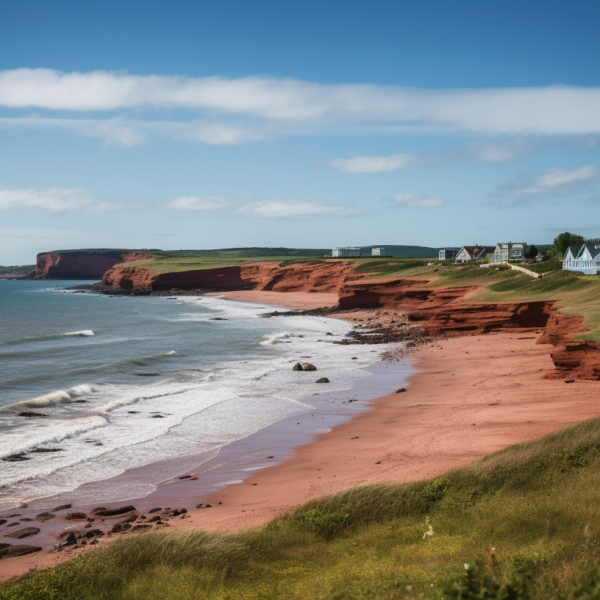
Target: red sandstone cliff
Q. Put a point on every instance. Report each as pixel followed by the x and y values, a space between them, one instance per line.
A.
pixel 297 277
pixel 80 265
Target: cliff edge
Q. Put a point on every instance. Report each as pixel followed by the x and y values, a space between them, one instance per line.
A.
pixel 82 264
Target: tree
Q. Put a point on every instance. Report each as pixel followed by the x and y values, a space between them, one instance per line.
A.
pixel 531 252
pixel 566 239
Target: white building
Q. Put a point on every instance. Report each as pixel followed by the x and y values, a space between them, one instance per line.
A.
pixel 448 253
pixel 585 259
pixel 346 252
pixel 508 252
pixel 467 253
pixel 377 251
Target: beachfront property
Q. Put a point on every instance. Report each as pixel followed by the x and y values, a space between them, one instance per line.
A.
pixel 467 253
pixel 377 251
pixel 448 253
pixel 346 252
pixel 584 258
pixel 509 252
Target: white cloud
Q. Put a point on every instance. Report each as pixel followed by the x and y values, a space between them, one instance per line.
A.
pixel 124 132
pixel 553 110
pixel 292 209
pixel 551 182
pixel 51 200
pixel 261 209
pixel 197 203
pixel 371 164
pixel 417 201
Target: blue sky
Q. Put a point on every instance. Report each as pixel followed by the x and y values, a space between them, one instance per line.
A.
pixel 306 124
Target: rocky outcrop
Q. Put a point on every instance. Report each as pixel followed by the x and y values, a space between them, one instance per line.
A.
pixel 443 311
pixel 267 276
pixel 82 264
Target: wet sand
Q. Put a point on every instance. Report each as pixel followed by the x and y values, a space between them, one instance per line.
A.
pixel 468 397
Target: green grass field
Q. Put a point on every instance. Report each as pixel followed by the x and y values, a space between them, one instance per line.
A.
pixel 525 521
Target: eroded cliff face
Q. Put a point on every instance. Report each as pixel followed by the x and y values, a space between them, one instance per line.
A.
pixel 297 277
pixel 80 265
pixel 439 311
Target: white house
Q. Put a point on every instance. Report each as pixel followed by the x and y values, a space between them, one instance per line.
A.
pixel 377 251
pixel 448 253
pixel 467 253
pixel 346 252
pixel 509 252
pixel 585 259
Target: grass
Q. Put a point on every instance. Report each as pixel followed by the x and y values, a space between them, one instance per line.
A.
pixel 16 269
pixel 525 520
pixel 575 294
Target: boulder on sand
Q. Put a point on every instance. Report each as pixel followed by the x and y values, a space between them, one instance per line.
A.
pixel 22 533
pixel 322 380
pixel 76 516
pixel 304 367
pixel 8 551
pixel 102 511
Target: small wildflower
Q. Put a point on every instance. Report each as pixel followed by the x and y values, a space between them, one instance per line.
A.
pixel 466 566
pixel 409 588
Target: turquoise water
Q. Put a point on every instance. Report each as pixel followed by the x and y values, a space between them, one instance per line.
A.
pixel 124 382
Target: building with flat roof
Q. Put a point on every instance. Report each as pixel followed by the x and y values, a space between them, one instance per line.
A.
pixel 448 253
pixel 346 252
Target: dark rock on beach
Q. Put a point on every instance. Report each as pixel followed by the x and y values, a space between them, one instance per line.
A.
pixel 31 413
pixel 93 533
pixel 41 450
pixel 120 528
pixel 16 457
pixel 8 551
pixel 154 510
pixel 76 516
pixel 22 533
pixel 399 391
pixel 61 507
pixel 322 380
pixel 101 511
pixel 304 367
pixel 141 527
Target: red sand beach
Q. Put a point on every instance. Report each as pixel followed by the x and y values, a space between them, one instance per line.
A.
pixel 468 397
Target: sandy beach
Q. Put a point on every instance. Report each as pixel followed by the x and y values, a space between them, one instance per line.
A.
pixel 469 396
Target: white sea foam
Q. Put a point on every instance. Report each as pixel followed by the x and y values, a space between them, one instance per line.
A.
pixel 39 434
pixel 276 338
pixel 200 410
pixel 83 333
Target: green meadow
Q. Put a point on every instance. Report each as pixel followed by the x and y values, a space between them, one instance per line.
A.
pixel 523 523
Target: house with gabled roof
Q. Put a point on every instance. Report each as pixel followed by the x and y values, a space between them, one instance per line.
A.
pixel 584 258
pixel 467 253
pixel 509 252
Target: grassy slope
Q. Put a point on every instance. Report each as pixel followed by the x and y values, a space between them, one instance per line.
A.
pixel 537 504
pixel 575 294
pixel 189 260
pixel 16 269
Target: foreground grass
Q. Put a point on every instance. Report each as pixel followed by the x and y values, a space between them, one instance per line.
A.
pixel 526 522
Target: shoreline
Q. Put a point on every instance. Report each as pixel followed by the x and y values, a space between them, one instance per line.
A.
pixel 469 396
pixel 234 461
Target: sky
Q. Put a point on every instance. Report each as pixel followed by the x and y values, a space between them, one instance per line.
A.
pixel 302 124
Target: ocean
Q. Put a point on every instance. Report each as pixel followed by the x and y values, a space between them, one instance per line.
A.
pixel 125 382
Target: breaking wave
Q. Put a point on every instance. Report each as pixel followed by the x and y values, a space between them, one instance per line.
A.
pixel 53 398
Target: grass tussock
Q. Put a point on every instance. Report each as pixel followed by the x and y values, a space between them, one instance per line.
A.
pixel 521 523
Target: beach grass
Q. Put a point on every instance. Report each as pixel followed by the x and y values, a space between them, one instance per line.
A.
pixel 525 521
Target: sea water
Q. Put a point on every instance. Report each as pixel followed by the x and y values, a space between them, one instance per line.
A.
pixel 123 382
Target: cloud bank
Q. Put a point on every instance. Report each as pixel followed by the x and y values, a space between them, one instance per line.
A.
pixel 261 209
pixel 50 200
pixel 550 183
pixel 230 111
